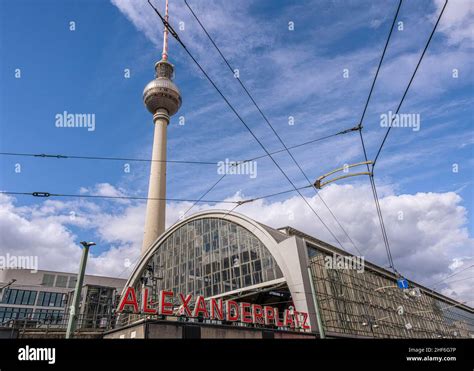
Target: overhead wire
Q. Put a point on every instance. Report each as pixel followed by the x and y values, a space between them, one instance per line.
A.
pixel 176 36
pixel 268 154
pixel 450 276
pixel 60 156
pixel 47 194
pixel 270 125
pixel 192 162
pixel 371 177
pixel 237 202
pixel 237 163
pixel 411 80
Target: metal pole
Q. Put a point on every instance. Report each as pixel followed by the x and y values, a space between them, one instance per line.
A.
pixel 71 325
pixel 316 307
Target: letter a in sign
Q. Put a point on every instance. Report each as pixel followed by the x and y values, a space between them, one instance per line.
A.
pixel 132 301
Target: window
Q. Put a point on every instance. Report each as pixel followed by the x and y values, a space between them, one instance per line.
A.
pixel 210 256
pixel 40 298
pixel 48 279
pixel 51 299
pixel 247 280
pixel 72 282
pixel 25 298
pixel 48 315
pixel 12 313
pixel 32 298
pixel 6 296
pixel 245 256
pixel 19 297
pixel 312 252
pixel 61 281
pixel 12 298
pixel 257 266
pixel 47 298
pixel 257 277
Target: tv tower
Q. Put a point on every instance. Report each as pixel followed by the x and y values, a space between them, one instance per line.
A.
pixel 163 99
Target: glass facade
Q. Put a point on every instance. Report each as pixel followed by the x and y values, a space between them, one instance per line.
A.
pixel 209 257
pixel 353 303
pixel 17 313
pixel 9 313
pixel 51 299
pixel 19 297
pixel 28 297
pixel 48 315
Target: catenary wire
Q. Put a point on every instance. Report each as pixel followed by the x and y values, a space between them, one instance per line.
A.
pixel 237 202
pixel 47 194
pixel 238 163
pixel 411 80
pixel 371 178
pixel 452 275
pixel 372 181
pixel 390 126
pixel 175 35
pixel 271 126
pixel 461 279
pixel 62 156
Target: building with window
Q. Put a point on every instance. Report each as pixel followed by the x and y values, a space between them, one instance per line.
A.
pixel 39 299
pixel 227 255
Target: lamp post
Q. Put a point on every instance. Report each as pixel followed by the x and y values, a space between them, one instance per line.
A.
pixel 72 321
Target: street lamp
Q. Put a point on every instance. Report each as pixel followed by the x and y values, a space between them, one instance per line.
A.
pixel 72 321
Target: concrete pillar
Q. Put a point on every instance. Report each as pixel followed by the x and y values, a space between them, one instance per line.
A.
pixel 156 209
pixel 294 255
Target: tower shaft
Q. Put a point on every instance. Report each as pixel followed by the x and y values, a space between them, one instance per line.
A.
pixel 156 204
pixel 163 99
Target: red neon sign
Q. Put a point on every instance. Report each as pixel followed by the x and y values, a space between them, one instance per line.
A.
pixel 215 309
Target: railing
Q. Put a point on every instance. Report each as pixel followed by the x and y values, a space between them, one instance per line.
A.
pixel 84 323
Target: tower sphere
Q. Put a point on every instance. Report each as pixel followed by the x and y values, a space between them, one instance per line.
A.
pixel 162 93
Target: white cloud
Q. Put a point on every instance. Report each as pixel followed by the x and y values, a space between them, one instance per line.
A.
pixel 126 227
pixel 428 244
pixel 311 78
pixel 459 286
pixel 218 17
pixel 50 231
pixel 427 231
pixel 24 235
pixel 457 23
pixel 102 189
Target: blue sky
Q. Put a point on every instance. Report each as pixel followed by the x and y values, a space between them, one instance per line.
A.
pixel 295 73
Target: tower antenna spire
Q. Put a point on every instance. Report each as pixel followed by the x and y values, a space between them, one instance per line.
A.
pixel 164 55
